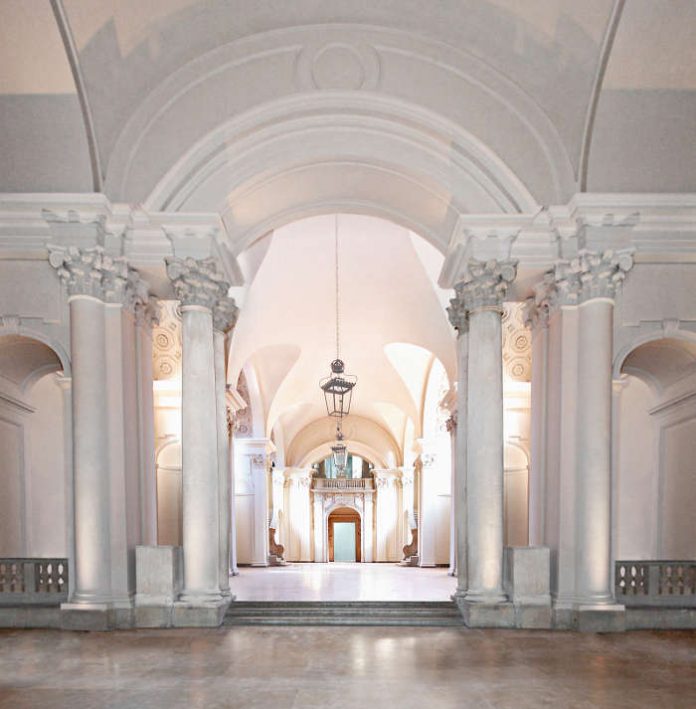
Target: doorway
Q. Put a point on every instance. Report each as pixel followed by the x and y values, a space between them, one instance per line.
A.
pixel 344 535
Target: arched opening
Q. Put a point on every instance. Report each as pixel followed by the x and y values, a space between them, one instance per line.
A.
pixel 35 465
pixel 655 434
pixel 169 494
pixel 344 535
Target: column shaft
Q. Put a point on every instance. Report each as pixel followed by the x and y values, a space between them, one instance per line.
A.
pixel 593 481
pixel 537 473
pixel 484 473
pixel 199 457
pixel 90 452
pixel 224 500
pixel 460 461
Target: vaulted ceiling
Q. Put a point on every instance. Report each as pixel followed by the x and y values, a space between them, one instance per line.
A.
pixel 562 95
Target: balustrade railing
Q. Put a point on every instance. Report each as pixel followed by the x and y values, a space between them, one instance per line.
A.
pixel 656 583
pixel 342 483
pixel 33 581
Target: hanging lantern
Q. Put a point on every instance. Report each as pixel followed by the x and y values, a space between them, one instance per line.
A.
pixel 338 386
pixel 338 390
pixel 339 453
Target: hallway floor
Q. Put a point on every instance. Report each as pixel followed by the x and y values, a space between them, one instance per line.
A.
pixel 342 582
pixel 283 668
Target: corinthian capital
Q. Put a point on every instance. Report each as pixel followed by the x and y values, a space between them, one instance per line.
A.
pixel 458 314
pixel 115 279
pixel 225 314
pixel 79 269
pixel 147 312
pixel 591 274
pixel 485 284
pixel 196 282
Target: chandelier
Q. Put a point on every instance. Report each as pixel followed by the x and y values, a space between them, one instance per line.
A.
pixel 338 386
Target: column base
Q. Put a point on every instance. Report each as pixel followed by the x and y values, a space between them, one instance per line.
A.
pixel 604 618
pixel 96 616
pixel 198 614
pixel 485 615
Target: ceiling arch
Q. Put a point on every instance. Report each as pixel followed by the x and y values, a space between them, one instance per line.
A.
pixel 194 117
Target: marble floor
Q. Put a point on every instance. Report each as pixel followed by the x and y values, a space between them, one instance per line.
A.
pixel 342 582
pixel 286 667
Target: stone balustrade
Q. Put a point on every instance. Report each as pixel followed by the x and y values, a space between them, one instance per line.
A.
pixel 342 483
pixel 33 581
pixel 656 583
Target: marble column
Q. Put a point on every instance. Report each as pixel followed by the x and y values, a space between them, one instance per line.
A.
pixel 451 425
pixel 318 529
pixel 81 271
pixel 594 277
pixel 234 569
pixel 482 293
pixel 224 318
pixel 146 316
pixel 459 319
pixel 199 287
pixel 537 320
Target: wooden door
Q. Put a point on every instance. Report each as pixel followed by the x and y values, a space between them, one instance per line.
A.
pixel 345 514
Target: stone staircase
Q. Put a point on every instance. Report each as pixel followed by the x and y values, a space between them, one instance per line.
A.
pixel 401 613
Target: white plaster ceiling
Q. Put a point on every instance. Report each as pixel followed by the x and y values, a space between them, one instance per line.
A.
pixel 392 325
pixel 176 89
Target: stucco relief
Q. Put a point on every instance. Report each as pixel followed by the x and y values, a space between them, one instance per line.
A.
pixel 343 65
pixel 166 342
pixel 517 344
pixel 242 419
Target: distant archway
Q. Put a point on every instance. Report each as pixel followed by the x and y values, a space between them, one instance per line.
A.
pixel 339 533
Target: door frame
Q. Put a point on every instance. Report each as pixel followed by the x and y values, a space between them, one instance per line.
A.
pixel 345 514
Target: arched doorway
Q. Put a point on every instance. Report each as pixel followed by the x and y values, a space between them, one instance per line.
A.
pixel 655 445
pixel 35 470
pixel 343 529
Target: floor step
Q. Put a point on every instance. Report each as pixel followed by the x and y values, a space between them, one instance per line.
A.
pixel 414 613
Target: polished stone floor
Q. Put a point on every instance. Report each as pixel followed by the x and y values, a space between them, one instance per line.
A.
pixel 342 582
pixel 343 667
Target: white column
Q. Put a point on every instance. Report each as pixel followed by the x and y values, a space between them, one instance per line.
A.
pixel 224 317
pixel 459 319
pixel 451 425
pixel 234 569
pixel 594 279
pixel 199 288
pixel 80 270
pixel 319 553
pixel 368 526
pixel 146 317
pixel 65 384
pixel 593 560
pixel 482 293
pixel 537 319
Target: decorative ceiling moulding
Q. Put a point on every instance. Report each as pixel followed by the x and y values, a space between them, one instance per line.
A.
pixel 365 150
pixel 379 64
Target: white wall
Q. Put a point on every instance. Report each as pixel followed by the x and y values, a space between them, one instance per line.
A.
pixel 12 537
pixel 33 483
pixel 47 485
pixel 677 529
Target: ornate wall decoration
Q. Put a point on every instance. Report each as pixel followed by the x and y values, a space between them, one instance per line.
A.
pixel 346 64
pixel 243 425
pixel 517 344
pixel 166 342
